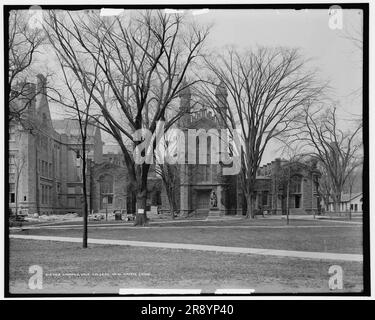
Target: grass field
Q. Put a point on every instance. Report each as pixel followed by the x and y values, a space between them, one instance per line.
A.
pixel 68 268
pixel 305 236
pixel 103 268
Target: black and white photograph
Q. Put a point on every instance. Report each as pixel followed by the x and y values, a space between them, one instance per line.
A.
pixel 186 150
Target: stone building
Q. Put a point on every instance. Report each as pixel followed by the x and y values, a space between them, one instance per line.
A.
pixel 45 169
pixel 111 189
pixel 44 160
pixel 276 178
pixel 199 181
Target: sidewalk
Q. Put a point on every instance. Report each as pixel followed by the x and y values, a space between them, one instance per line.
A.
pixel 186 246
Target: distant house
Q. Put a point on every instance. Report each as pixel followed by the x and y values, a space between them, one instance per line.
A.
pixel 349 202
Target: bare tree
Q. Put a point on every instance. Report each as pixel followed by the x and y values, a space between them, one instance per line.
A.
pixel 288 176
pixel 267 88
pixel 324 189
pixel 143 58
pixel 337 150
pixel 23 43
pixel 78 101
pixel 354 33
pixel 169 174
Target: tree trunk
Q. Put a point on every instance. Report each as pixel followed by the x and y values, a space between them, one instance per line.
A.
pixel 336 202
pixel 287 202
pixel 85 204
pixel 141 217
pixel 16 194
pixel 250 212
pixel 172 203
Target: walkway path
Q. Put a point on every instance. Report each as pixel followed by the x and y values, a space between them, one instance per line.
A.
pixel 166 245
pixel 127 226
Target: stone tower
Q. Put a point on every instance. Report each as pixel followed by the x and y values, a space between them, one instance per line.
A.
pixel 185 96
pixel 221 95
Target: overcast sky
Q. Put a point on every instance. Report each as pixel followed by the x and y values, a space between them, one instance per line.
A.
pixel 337 58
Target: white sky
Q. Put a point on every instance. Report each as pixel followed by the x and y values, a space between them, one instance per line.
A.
pixel 337 58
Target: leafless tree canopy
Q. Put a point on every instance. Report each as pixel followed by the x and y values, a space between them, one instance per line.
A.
pixel 142 58
pixel 267 89
pixel 24 43
pixel 339 151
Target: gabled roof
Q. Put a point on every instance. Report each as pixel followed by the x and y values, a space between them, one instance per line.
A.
pixel 346 197
pixel 70 127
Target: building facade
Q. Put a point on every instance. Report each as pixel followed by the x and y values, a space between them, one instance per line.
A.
pixel 349 203
pixel 198 182
pixel 44 160
pixel 45 169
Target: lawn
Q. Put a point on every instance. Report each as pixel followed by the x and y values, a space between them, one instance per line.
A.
pixel 191 222
pixel 67 268
pixel 301 235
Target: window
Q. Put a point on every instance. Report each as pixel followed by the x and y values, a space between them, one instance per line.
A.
pixel 265 198
pixel 12 168
pixel 12 162
pixel 205 172
pixel 356 207
pixel 106 190
pixel 42 194
pixel 12 159
pixel 71 190
pixel 110 199
pixel 12 193
pixel 297 201
pixel 295 186
pixel 50 170
pixel 351 207
pixel 12 133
